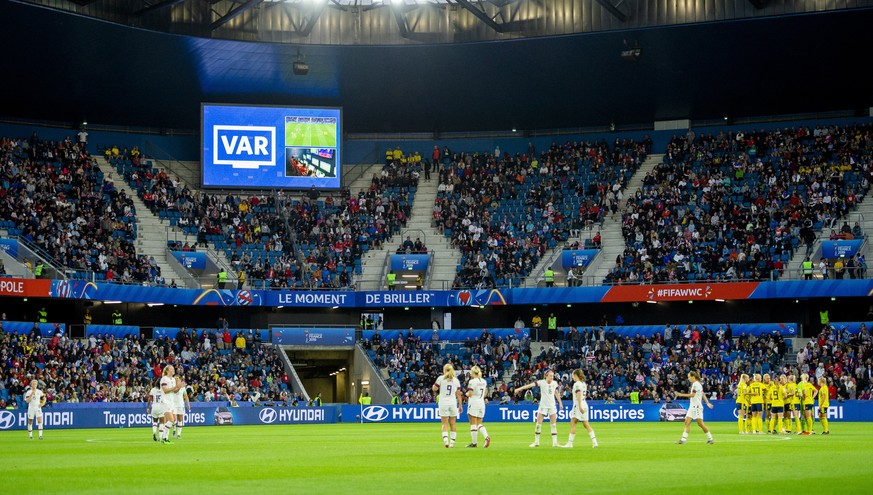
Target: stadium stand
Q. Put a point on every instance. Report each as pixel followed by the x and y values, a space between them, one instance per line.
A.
pixel 281 242
pixel 504 211
pixel 57 198
pixel 738 206
pixel 103 368
pixel 617 365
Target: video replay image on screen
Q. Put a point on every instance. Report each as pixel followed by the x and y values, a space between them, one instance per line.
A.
pixel 259 147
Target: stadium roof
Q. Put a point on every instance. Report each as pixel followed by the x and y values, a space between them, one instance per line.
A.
pixel 73 67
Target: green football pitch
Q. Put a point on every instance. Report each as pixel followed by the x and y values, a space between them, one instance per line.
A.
pixel 310 135
pixel 410 458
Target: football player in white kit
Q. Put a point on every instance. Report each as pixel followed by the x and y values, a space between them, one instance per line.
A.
pixel 35 399
pixel 449 401
pixel 157 408
pixel 695 409
pixel 548 396
pixel 477 389
pixel 180 400
pixel 169 386
pixel 580 409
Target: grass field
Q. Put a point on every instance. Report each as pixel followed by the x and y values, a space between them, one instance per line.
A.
pixel 410 458
pixel 310 135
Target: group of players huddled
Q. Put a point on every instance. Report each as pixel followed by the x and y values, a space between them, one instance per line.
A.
pixel 167 401
pixel 780 404
pixel 450 402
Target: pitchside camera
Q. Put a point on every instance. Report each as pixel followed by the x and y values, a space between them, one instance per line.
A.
pixel 301 68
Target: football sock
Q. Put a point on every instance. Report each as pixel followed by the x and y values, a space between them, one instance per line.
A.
pixel 474 434
pixel 709 435
pixel 571 438
pixel 741 424
pixel 452 436
pixel 824 423
pixel 179 425
pixel 537 433
pixel 154 428
pixel 445 438
pixel 554 429
pixel 483 430
pixel 39 427
pixel 592 437
pixel 684 436
pixel 797 420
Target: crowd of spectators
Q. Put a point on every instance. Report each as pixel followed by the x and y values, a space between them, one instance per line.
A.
pixel 615 366
pixel 281 242
pixel 56 197
pixel 216 366
pixel 412 364
pixel 504 211
pixel 739 205
pixel 845 359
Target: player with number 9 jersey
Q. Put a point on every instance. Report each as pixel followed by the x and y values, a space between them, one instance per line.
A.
pixel 449 396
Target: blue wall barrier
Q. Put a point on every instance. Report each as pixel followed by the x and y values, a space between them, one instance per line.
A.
pixel 449 335
pixel 135 415
pixel 118 331
pixel 723 410
pixel 25 327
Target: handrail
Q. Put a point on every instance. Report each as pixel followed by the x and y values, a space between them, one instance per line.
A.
pixel 44 256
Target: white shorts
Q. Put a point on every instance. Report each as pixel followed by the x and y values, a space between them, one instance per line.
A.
pixel 158 410
pixel 695 413
pixel 179 410
pixel 34 413
pixel 547 411
pixel 476 409
pixel 450 410
pixel 575 414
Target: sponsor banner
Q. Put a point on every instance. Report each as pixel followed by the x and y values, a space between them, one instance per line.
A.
pixel 723 410
pixel 190 260
pixel 409 262
pixel 449 335
pixel 23 287
pixel 318 299
pixel 135 415
pixel 840 249
pixel 10 246
pixel 793 289
pixel 473 298
pixel 578 258
pixel 680 292
pixel 313 336
pixel 118 331
pixel 25 327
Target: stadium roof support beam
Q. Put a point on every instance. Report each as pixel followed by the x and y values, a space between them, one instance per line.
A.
pixel 233 13
pixel 613 9
pixel 313 18
pixel 484 17
pixel 401 21
pixel 156 6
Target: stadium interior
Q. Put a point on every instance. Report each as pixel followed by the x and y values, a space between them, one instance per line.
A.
pixel 632 186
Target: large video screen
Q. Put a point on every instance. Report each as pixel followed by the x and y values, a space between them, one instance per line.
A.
pixel 271 147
